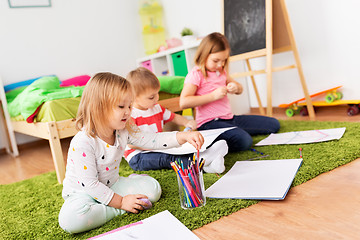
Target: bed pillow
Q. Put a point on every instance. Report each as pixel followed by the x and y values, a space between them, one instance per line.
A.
pixel 23 83
pixel 75 81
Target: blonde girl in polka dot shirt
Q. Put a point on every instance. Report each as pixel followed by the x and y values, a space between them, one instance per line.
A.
pixel 93 191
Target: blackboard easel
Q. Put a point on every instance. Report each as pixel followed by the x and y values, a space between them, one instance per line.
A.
pixel 258 28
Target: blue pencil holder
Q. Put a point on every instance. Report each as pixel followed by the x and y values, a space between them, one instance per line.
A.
pixel 191 190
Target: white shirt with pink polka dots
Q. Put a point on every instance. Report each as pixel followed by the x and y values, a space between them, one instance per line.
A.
pixel 93 165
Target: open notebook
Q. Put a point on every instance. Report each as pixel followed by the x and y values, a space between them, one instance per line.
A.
pixel 300 137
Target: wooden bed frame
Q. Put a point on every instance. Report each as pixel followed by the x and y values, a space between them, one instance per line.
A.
pixel 52 131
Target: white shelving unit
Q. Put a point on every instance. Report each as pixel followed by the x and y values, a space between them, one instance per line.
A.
pixel 174 61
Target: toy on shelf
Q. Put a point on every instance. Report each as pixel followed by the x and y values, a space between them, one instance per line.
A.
pixel 297 107
pixel 173 42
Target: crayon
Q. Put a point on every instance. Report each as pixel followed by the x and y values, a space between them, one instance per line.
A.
pixel 254 150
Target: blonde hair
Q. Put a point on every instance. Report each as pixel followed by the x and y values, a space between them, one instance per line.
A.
pixel 212 43
pixel 142 80
pixel 101 94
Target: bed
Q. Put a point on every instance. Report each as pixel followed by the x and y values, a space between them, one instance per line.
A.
pixel 46 124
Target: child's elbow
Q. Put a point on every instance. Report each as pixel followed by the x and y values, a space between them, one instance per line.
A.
pixel 182 103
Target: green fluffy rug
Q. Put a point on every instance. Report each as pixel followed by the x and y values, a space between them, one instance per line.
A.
pixel 29 209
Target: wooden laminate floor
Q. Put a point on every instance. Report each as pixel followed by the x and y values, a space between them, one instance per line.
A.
pixel 326 207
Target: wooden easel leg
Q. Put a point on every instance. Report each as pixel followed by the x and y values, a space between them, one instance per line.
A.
pixel 298 63
pixel 303 84
pixel 269 85
pixel 261 108
pixel 269 52
pixel 56 152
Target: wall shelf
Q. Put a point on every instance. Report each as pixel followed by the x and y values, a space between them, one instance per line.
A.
pixel 176 61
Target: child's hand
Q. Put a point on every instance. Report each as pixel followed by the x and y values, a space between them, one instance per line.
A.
pixel 219 93
pixel 232 88
pixel 194 138
pixel 191 124
pixel 132 203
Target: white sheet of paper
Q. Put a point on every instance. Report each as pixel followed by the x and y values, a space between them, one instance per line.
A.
pixel 265 179
pixel 209 137
pixel 162 226
pixel 300 137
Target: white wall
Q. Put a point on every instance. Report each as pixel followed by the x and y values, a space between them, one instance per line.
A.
pixel 202 16
pixel 68 39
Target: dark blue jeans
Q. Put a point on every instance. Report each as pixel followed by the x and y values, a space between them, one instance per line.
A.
pixel 239 138
pixel 156 160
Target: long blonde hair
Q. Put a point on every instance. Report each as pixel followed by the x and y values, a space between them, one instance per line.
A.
pixel 212 43
pixel 101 94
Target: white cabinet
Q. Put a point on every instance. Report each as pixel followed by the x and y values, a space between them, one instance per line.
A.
pixel 176 61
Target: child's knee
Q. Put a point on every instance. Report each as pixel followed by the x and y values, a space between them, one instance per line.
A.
pixel 80 214
pixel 72 214
pixel 134 164
pixel 274 125
pixel 66 220
pixel 240 143
pixel 152 188
pixel 138 184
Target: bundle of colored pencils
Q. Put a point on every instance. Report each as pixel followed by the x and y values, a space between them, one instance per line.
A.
pixel 190 183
